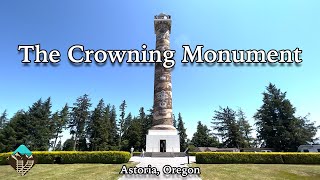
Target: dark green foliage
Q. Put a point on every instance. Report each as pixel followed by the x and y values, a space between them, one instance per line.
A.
pixel 3 119
pixel 68 145
pixel 106 157
pixel 241 158
pixel 98 127
pixel 133 135
pixel 39 125
pixel 9 137
pixel 245 130
pixel 225 123
pixel 146 124
pixel 113 131
pixel 257 158
pixel 3 158
pixel 60 120
pixel 121 123
pixel 277 125
pixel 95 130
pixel 80 115
pixel 174 121
pixel 34 128
pixel 192 148
pixel 301 158
pixel 203 138
pixel 182 133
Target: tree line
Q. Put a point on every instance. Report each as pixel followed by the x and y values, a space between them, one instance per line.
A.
pixel 106 128
pixel 277 126
pixel 102 128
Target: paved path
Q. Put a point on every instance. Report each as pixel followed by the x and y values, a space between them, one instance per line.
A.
pixel 159 163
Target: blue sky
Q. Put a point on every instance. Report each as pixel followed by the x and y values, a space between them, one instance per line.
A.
pixel 198 90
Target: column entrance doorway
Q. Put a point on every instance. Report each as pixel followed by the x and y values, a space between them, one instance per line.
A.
pixel 162 145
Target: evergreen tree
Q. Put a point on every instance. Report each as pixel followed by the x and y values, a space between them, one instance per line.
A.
pixel 68 145
pixel 3 119
pixel 114 137
pixel 277 125
pixel 121 123
pixel 174 121
pixel 203 138
pixel 60 120
pixel 133 135
pixel 17 131
pixel 39 126
pixel 224 122
pixel 97 129
pixel 245 130
pixel 104 129
pixel 127 122
pixel 146 124
pixel 182 133
pixel 14 133
pixel 126 134
pixel 79 117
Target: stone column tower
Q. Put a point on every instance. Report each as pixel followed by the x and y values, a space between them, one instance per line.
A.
pixel 163 136
pixel 162 101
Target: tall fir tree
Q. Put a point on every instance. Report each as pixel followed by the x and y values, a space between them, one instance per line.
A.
pixel 15 132
pixel 121 122
pixel 133 134
pixel 277 124
pixel 174 121
pixel 114 136
pixel 127 122
pixel 60 120
pixel 41 125
pixel 104 129
pixel 79 117
pixel 3 119
pixel 203 137
pixel 146 124
pixel 245 130
pixel 125 138
pixel 97 129
pixel 225 123
pixel 182 133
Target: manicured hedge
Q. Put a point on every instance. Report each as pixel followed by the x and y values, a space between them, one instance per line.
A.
pixel 301 158
pixel 256 158
pixel 70 157
pixel 3 158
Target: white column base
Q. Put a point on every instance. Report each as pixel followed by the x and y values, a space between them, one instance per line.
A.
pixel 170 136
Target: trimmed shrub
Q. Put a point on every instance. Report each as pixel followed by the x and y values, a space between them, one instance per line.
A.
pixel 238 158
pixel 257 158
pixel 3 158
pixel 70 157
pixel 301 158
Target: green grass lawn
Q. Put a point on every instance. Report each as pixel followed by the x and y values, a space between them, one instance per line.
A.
pixel 208 171
pixel 65 171
pixel 258 171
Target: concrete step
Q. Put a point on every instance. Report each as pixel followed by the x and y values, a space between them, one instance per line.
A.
pixel 162 154
pixel 165 154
